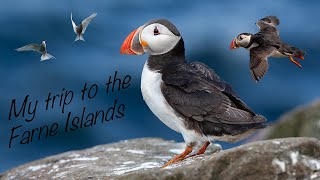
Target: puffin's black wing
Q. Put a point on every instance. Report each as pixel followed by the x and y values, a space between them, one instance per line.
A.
pixel 206 72
pixel 259 61
pixel 195 91
pixel 272 20
pixel 268 25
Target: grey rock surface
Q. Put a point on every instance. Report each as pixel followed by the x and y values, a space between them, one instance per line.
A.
pixel 303 121
pixel 289 158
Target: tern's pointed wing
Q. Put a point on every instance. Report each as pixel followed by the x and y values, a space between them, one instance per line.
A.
pixel 73 25
pixel 87 21
pixel 30 47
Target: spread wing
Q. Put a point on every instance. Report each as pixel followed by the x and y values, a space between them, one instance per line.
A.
pixel 195 91
pixel 87 21
pixel 272 20
pixel 268 25
pixel 73 24
pixel 259 61
pixel 30 47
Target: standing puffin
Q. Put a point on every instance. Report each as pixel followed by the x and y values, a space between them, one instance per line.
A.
pixel 187 97
pixel 264 44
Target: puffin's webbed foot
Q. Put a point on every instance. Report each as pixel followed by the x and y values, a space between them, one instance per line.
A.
pixel 179 157
pixel 295 62
pixel 201 150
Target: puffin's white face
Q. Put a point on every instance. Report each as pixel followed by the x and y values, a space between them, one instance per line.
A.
pixel 243 39
pixel 157 39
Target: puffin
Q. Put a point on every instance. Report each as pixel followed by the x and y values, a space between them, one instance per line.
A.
pixel 81 29
pixel 42 48
pixel 188 97
pixel 264 44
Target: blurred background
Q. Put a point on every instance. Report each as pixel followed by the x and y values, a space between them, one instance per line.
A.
pixel 207 28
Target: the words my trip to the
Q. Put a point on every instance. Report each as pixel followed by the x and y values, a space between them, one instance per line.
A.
pixel 25 111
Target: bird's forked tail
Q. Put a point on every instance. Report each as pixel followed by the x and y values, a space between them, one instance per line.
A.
pixel 79 37
pixel 46 56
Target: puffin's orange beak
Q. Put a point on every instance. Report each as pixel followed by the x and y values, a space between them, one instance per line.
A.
pixel 234 44
pixel 131 45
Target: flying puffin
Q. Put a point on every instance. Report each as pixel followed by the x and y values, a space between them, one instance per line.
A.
pixel 42 48
pixel 81 29
pixel 187 97
pixel 264 44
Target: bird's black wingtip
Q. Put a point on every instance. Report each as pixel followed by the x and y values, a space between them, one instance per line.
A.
pixel 261 122
pixel 259 118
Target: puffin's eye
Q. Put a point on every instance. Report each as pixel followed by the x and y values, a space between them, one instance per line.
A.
pixel 156 31
pixel 240 38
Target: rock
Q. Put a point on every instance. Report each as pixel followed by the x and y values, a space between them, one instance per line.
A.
pixel 111 160
pixel 302 121
pixel 289 158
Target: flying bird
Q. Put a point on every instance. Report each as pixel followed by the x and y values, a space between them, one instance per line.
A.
pixel 80 30
pixel 264 44
pixel 188 97
pixel 42 48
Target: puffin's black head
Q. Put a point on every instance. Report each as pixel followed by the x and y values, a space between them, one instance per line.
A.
pixel 298 53
pixel 155 37
pixel 242 40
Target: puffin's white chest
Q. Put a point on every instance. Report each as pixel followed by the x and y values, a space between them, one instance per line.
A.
pixel 252 46
pixel 152 95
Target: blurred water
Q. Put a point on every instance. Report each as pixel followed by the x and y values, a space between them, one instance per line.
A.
pixel 207 28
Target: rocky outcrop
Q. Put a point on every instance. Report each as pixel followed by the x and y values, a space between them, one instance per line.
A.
pixel 303 121
pixel 289 158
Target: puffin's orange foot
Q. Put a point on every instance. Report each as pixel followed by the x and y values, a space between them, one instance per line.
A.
pixel 295 62
pixel 201 150
pixel 179 157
